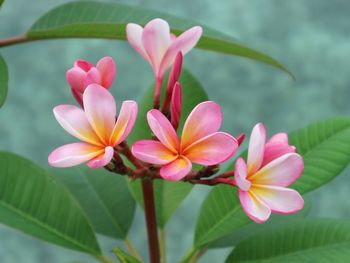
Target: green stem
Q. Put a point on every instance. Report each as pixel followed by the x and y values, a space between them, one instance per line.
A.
pixel 151 221
pixel 104 259
pixel 162 243
pixel 198 255
pixel 132 249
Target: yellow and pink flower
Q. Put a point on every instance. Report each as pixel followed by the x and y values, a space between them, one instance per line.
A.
pixel 95 126
pixel 201 142
pixel 262 181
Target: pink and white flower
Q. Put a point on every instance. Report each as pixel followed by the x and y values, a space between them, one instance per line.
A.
pixel 263 180
pixel 158 46
pixel 200 143
pixel 95 126
pixel 84 73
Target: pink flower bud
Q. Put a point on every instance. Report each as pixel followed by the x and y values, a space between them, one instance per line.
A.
pixel 84 73
pixel 176 105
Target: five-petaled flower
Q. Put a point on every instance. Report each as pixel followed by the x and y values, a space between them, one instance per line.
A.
pixel 263 180
pixel 95 126
pixel 200 143
pixel 158 46
pixel 84 73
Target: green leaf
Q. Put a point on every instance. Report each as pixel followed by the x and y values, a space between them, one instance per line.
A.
pixel 3 80
pixel 325 147
pixel 168 195
pixel 1 2
pixel 317 240
pixel 104 196
pixel 252 228
pixel 108 20
pixel 124 257
pixel 31 200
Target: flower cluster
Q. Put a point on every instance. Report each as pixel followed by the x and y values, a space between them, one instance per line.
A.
pixel 262 179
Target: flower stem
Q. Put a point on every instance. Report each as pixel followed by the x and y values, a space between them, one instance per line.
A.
pixel 156 100
pixel 162 243
pixel 14 40
pixel 151 221
pixel 132 250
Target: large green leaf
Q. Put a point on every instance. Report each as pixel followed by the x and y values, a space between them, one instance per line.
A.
pixel 31 200
pixel 317 240
pixel 168 195
pixel 3 80
pixel 251 229
pixel 104 196
pixel 1 2
pixel 325 147
pixel 108 20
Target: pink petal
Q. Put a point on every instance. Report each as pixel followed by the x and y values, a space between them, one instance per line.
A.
pixel 92 77
pixel 176 105
pixel 184 43
pixel 156 40
pixel 103 159
pixel 280 200
pixel 134 36
pixel 241 171
pixel 254 207
pixel 107 69
pixel 205 119
pixel 276 147
pixel 212 149
pixel 125 122
pixel 176 170
pixel 76 78
pixel 279 138
pixel 83 64
pixel 74 121
pixel 153 152
pixel 163 130
pixel 256 148
pixel 280 172
pixel 100 109
pixel 73 154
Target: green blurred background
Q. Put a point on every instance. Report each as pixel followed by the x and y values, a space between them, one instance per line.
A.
pixel 310 37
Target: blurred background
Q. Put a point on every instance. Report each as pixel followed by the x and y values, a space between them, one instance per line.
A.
pixel 311 38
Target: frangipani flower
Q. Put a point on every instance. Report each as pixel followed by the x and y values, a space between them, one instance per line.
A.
pixel 95 126
pixel 158 46
pixel 263 180
pixel 200 143
pixel 84 73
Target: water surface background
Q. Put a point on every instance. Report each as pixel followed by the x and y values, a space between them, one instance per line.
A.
pixel 310 37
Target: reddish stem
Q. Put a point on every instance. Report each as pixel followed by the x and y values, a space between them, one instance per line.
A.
pixel 125 149
pixel 14 40
pixel 156 100
pixel 151 221
pixel 214 181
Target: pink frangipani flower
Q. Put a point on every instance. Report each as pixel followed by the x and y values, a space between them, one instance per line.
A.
pixel 158 46
pixel 200 143
pixel 84 73
pixel 263 180
pixel 95 126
